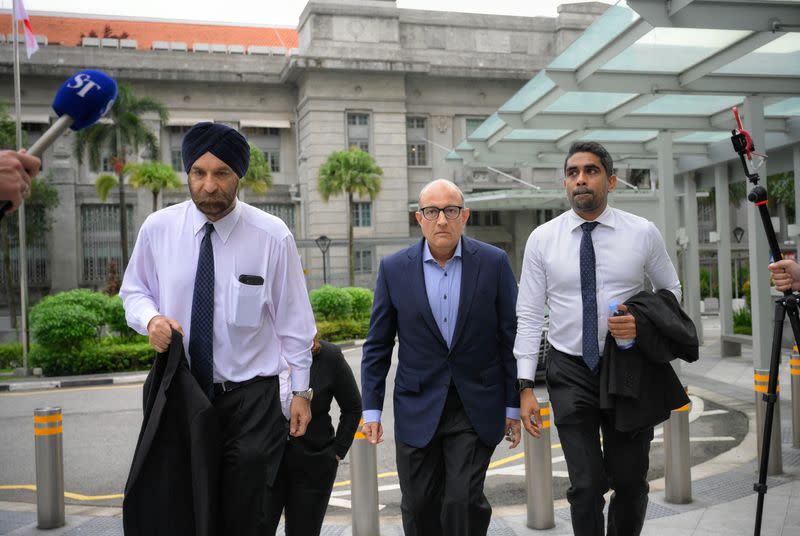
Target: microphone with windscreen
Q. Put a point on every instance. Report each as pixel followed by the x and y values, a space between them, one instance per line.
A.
pixel 83 99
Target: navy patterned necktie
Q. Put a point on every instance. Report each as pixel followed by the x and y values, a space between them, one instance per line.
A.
pixel 591 351
pixel 201 337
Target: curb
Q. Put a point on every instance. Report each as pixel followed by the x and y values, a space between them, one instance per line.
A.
pixel 69 383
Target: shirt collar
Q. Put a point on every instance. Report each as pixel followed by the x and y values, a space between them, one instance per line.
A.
pixel 428 257
pixel 223 226
pixel 607 218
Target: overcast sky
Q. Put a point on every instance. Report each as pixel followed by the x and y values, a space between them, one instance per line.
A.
pixel 270 12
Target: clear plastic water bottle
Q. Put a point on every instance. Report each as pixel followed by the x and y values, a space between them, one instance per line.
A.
pixel 613 309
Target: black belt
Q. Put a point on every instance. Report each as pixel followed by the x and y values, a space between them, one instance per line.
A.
pixel 226 387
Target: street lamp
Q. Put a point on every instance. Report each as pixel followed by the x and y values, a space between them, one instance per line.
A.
pixel 738 233
pixel 323 243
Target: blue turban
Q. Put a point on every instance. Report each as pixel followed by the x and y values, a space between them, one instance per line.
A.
pixel 220 140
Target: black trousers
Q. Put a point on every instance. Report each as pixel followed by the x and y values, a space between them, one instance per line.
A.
pixel 621 463
pixel 442 483
pixel 253 438
pixel 302 490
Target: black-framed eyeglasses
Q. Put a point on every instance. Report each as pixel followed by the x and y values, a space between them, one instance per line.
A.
pixel 432 213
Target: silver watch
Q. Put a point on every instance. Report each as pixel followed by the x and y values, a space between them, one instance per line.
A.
pixel 307 394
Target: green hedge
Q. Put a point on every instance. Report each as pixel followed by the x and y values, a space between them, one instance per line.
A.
pixel 335 304
pixel 362 301
pixel 342 330
pixel 10 355
pixel 93 358
pixel 743 322
pixel 115 317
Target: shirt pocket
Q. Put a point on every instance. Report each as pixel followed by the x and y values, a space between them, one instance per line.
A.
pixel 246 302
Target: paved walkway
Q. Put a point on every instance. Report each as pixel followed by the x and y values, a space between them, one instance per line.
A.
pixel 722 488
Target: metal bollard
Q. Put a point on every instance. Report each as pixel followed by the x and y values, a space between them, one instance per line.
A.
pixel 761 377
pixel 539 474
pixel 47 430
pixel 678 454
pixel 794 369
pixel 364 483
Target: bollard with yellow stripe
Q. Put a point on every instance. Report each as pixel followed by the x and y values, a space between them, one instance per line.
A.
pixel 678 456
pixel 48 431
pixel 794 370
pixel 364 484
pixel 539 473
pixel 760 388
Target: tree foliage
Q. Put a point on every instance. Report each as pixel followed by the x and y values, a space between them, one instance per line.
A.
pixel 258 178
pixel 154 176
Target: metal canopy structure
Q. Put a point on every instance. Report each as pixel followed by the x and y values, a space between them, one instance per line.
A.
pixel 653 66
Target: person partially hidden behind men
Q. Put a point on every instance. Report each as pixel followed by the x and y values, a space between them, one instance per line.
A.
pixel 450 300
pixel 229 276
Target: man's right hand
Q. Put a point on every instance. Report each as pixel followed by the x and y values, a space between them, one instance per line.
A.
pixel 16 172
pixel 159 330
pixel 529 412
pixel 785 275
pixel 374 432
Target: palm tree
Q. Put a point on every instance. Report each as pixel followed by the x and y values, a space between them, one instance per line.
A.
pixel 258 178
pixel 125 130
pixel 155 176
pixel 349 172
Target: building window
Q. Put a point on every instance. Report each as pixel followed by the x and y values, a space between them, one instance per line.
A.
pixel 38 264
pixel 274 159
pixel 358 131
pixel 362 261
pixel 362 214
pixel 100 240
pixel 282 210
pixel 269 141
pixel 473 123
pixel 106 164
pixel 416 146
pixel 176 134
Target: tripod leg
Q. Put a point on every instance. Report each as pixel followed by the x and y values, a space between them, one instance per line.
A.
pixel 770 397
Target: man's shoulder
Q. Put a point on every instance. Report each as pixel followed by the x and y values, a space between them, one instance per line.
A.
pixel 167 217
pixel 264 221
pixel 401 256
pixel 483 248
pixel 554 225
pixel 630 221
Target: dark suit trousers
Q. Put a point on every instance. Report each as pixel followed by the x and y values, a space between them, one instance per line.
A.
pixel 442 483
pixel 621 463
pixel 302 490
pixel 253 438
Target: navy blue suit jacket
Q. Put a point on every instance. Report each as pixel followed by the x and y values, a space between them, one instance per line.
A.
pixel 480 363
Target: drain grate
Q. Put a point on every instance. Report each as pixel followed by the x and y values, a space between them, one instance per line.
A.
pixel 98 526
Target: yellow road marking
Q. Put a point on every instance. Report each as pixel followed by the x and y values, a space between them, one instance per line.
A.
pixel 73 389
pixel 67 494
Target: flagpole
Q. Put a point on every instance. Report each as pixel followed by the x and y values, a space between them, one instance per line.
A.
pixel 22 251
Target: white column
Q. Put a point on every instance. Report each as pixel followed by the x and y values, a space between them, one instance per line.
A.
pixel 796 166
pixel 722 206
pixel 667 201
pixel 691 284
pixel 762 304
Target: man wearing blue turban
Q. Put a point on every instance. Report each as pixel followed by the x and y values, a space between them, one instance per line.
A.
pixel 249 311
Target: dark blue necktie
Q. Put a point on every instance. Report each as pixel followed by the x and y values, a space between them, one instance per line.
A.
pixel 591 352
pixel 201 338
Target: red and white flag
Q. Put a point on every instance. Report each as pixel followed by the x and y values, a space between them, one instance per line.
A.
pixel 31 45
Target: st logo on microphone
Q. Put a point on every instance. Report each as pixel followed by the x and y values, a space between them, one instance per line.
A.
pixel 83 82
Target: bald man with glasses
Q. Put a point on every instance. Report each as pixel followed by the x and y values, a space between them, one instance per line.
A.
pixel 451 300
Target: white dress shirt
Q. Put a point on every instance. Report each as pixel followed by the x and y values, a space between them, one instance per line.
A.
pixel 257 328
pixel 626 247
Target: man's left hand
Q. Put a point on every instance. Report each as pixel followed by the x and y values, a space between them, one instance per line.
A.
pixel 513 432
pixel 299 416
pixel 622 327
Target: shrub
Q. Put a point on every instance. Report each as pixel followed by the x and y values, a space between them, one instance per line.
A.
pixel 104 357
pixel 362 301
pixel 331 303
pixel 10 355
pixel 342 330
pixel 743 321
pixel 115 316
pixel 62 326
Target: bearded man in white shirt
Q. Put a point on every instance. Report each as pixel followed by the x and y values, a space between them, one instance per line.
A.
pixel 229 276
pixel 577 264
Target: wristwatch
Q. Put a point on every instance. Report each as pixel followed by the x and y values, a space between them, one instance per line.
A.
pixel 523 384
pixel 307 394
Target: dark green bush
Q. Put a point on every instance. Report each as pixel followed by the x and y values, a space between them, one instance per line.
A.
pixel 743 322
pixel 342 330
pixel 93 358
pixel 362 301
pixel 115 316
pixel 10 355
pixel 331 303
pixel 62 326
